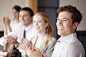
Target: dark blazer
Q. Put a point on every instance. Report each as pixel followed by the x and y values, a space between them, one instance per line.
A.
pixel 49 47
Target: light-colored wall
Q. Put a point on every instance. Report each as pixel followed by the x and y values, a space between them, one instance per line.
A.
pixel 80 4
pixel 6 8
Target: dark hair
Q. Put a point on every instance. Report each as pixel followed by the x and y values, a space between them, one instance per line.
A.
pixel 28 10
pixel 17 8
pixel 76 15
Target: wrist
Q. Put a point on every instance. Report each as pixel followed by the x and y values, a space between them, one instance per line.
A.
pixel 5 42
pixel 8 25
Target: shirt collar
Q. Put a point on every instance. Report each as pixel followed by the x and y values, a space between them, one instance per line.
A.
pixel 28 28
pixel 68 38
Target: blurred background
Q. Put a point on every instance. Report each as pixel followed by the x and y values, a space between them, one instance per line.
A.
pixel 49 7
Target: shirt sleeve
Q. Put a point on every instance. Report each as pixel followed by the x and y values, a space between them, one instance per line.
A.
pixel 70 51
pixel 2 39
pixel 3 53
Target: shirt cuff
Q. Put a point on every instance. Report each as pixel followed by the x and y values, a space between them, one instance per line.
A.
pixel 2 41
pixel 3 53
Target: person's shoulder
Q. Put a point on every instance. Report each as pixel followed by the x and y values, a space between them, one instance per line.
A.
pixel 72 51
pixel 74 47
pixel 53 41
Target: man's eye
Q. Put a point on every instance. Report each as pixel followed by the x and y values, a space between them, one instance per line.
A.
pixel 64 20
pixel 58 19
pixel 39 21
pixel 25 15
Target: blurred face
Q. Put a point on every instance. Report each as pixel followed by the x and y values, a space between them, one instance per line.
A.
pixel 39 24
pixel 64 24
pixel 15 14
pixel 25 18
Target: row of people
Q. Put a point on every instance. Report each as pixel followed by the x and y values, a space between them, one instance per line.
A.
pixel 36 40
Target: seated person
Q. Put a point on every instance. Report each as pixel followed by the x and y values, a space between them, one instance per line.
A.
pixel 10 25
pixel 68 44
pixel 44 40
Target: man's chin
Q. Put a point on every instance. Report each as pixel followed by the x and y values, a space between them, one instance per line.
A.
pixel 59 33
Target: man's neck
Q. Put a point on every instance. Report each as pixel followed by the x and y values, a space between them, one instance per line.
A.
pixel 27 25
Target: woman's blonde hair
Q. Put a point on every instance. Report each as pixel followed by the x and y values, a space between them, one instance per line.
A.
pixel 49 28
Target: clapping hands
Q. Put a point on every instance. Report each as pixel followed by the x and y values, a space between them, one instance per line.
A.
pixel 34 52
pixel 10 40
pixel 25 42
pixel 6 21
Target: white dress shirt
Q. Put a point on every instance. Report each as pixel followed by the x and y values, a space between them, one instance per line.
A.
pixel 19 33
pixel 13 26
pixel 3 53
pixel 69 46
pixel 30 32
pixel 14 33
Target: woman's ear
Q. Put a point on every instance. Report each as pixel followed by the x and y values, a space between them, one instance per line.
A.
pixel 46 25
pixel 75 25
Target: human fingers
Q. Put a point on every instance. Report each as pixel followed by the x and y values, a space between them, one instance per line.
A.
pixel 43 54
pixel 23 45
pixel 34 48
pixel 28 50
pixel 4 20
pixel 25 42
pixel 15 37
pixel 28 43
pixel 10 39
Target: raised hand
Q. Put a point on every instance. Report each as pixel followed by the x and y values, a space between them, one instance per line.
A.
pixel 11 40
pixel 34 52
pixel 4 22
pixel 7 21
pixel 25 42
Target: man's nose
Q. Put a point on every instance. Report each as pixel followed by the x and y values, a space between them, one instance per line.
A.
pixel 22 18
pixel 60 22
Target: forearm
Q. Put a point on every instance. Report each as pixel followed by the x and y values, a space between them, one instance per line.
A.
pixel 9 29
pixel 5 47
pixel 5 31
pixel 16 43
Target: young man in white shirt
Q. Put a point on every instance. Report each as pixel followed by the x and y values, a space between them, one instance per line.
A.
pixel 68 44
pixel 25 17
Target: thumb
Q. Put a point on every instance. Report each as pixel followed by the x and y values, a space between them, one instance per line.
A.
pixel 27 47
pixel 9 20
pixel 43 54
pixel 15 37
pixel 3 18
pixel 30 42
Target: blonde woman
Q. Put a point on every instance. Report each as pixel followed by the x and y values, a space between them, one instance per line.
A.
pixel 44 40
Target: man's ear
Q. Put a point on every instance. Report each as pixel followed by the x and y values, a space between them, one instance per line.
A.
pixel 31 18
pixel 75 25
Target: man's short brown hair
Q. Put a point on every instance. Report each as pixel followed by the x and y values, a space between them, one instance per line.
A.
pixel 76 15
